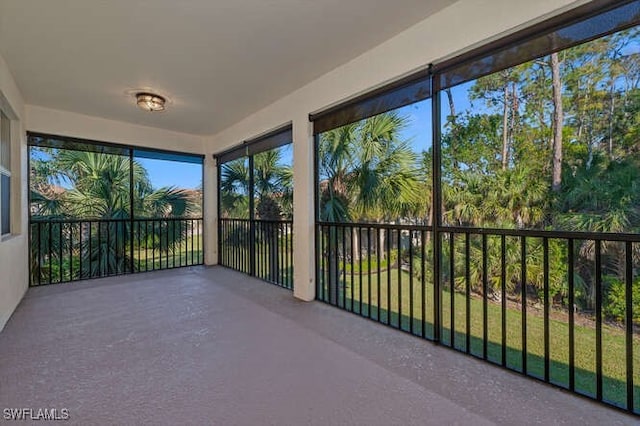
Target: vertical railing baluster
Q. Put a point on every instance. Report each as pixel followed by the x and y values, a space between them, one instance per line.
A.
pixel 452 309
pixel 467 290
pixel 369 272
pixel 628 251
pixel 399 257
pixel 60 247
pixel 71 251
pixel 40 251
pixel 80 252
pixel 116 251
pixel 344 266
pixel 388 238
pixel 423 280
pixel 545 272
pixel 378 281
pixel 503 298
pixel 153 244
pixel 523 279
pixel 323 280
pixel 359 251
pixel 108 258
pixel 192 232
pixel 100 249
pixel 570 266
pixel 598 250
pixel 411 281
pixel 485 292
pixel 90 234
pixel 335 286
pixel 279 254
pixel 139 242
pixel 352 264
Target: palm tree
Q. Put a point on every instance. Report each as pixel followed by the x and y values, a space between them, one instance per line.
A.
pixel 273 198
pixel 234 189
pixel 604 197
pixel 367 174
pixel 273 191
pixel 99 189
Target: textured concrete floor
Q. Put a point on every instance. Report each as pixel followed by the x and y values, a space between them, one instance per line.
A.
pixel 212 346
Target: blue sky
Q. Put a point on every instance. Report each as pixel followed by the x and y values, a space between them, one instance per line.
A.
pixel 172 173
pixel 161 172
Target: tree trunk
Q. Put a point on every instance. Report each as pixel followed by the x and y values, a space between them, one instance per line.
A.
pixel 611 112
pixel 558 121
pixel 505 128
pixel 515 106
pixel 454 132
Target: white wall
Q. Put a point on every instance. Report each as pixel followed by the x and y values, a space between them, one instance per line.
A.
pixel 463 25
pixel 65 123
pixel 13 250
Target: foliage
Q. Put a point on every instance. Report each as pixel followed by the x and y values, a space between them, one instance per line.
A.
pixel 69 184
pixel 615 301
pixel 501 168
pixel 273 187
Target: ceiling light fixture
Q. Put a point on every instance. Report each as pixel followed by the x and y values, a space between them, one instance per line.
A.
pixel 150 102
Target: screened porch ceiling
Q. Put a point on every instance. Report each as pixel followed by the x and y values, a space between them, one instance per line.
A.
pixel 217 62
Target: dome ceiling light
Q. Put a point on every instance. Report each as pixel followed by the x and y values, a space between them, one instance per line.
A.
pixel 150 102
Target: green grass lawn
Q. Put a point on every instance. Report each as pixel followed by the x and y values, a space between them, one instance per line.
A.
pixel 188 252
pixel 403 313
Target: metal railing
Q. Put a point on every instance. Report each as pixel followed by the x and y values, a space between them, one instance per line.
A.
pixel 261 248
pixel 556 306
pixel 71 250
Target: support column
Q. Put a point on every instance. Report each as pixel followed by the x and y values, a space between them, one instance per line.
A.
pixel 210 210
pixel 303 210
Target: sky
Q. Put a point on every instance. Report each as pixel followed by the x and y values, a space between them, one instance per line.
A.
pixel 161 172
pixel 172 173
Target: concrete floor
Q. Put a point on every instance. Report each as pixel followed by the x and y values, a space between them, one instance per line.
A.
pixel 212 346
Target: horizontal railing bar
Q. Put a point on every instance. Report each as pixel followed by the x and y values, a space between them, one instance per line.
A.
pixel 575 235
pixel 138 219
pixel 273 221
pixel 378 225
pixel 228 219
pixel 231 219
pixel 537 233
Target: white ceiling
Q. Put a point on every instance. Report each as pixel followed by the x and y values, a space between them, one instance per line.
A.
pixel 217 60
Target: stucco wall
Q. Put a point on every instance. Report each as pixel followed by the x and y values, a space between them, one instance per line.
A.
pixel 65 123
pixel 13 250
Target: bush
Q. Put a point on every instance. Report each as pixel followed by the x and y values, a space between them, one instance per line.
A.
pixel 615 300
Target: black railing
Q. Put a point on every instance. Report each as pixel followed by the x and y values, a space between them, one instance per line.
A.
pixel 71 250
pixel 556 306
pixel 261 248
